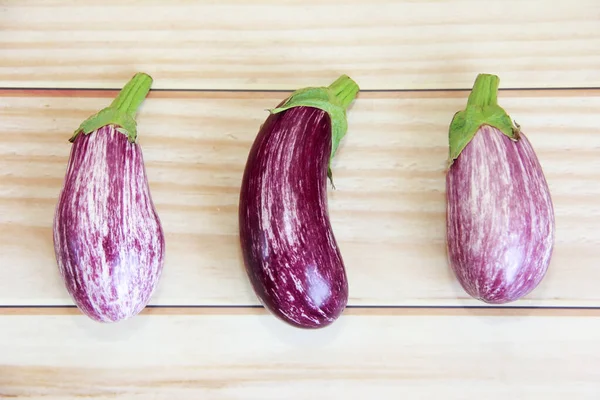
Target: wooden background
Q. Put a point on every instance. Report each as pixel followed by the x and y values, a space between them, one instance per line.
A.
pixel 217 65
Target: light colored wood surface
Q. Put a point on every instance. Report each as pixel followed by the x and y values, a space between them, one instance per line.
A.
pixel 458 354
pixel 388 209
pixel 236 44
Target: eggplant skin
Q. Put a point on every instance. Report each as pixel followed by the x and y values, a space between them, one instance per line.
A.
pixel 290 253
pixel 500 218
pixel 108 238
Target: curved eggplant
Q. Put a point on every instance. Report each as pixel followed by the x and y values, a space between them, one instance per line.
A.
pixel 290 253
pixel 500 216
pixel 108 239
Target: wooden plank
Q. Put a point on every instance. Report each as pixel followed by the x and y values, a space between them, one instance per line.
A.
pixel 387 211
pixel 219 356
pixel 271 44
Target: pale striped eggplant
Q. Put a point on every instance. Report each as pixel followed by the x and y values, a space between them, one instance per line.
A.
pixel 500 216
pixel 108 238
pixel 291 256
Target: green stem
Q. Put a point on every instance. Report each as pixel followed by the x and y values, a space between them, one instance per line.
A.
pixel 345 90
pixel 482 109
pixel 485 91
pixel 122 110
pixel 133 94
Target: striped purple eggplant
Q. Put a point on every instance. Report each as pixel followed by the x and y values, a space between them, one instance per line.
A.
pixel 108 238
pixel 290 253
pixel 500 216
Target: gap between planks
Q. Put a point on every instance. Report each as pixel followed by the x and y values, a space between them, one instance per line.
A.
pixel 237 94
pixel 393 311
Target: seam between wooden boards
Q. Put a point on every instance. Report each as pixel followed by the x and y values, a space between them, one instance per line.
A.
pixel 237 94
pixel 394 311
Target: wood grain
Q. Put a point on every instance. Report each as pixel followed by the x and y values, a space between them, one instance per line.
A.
pixel 271 44
pixel 454 356
pixel 388 211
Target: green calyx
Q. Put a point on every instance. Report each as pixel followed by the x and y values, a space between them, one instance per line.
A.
pixel 482 109
pixel 333 99
pixel 121 111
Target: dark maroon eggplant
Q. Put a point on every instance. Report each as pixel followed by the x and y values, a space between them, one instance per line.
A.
pixel 290 253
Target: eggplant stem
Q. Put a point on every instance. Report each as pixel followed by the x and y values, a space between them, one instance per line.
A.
pixel 482 109
pixel 133 94
pixel 485 91
pixel 122 111
pixel 345 90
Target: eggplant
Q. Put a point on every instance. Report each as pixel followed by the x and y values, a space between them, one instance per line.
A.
pixel 290 253
pixel 108 238
pixel 500 215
